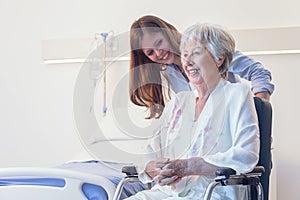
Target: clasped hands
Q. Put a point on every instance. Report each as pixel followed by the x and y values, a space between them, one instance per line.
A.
pixel 169 171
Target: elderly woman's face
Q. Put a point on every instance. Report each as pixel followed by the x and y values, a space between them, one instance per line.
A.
pixel 198 64
pixel 157 48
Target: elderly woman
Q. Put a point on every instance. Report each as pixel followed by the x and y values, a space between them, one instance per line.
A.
pixel 213 126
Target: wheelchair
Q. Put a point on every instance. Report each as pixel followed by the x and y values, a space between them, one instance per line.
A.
pixel 257 181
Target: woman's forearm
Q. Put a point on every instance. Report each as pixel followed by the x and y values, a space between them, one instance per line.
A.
pixel 198 166
pixel 188 167
pixel 264 95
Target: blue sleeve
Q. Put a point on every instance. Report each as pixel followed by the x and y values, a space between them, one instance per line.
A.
pixel 253 71
pixel 176 80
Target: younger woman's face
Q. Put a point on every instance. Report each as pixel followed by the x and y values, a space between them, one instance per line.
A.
pixel 156 47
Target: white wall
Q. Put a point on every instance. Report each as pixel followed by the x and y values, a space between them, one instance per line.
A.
pixel 37 126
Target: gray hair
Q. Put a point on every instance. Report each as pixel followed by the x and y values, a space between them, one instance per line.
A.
pixel 215 39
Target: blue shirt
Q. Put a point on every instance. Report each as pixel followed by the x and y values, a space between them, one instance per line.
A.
pixel 241 65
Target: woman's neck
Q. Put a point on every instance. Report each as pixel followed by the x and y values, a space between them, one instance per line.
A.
pixel 177 61
pixel 205 88
pixel 200 102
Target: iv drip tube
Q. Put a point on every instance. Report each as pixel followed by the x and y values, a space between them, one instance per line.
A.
pixel 104 109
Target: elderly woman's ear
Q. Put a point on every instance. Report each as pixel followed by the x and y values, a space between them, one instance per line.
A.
pixel 220 61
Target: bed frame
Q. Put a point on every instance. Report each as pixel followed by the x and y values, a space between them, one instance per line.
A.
pixel 72 188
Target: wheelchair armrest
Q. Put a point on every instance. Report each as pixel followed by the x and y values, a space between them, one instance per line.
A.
pixel 225 172
pixel 228 171
pixel 129 171
pixel 258 169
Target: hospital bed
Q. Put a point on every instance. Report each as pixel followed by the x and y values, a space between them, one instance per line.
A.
pixel 90 180
pixel 50 183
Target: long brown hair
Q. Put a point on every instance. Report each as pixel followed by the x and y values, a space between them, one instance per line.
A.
pixel 145 84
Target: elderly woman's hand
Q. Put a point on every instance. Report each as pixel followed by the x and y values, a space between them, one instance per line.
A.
pixel 175 167
pixel 172 172
pixel 154 167
pixel 163 180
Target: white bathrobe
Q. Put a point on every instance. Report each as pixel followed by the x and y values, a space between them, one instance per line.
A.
pixel 225 134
